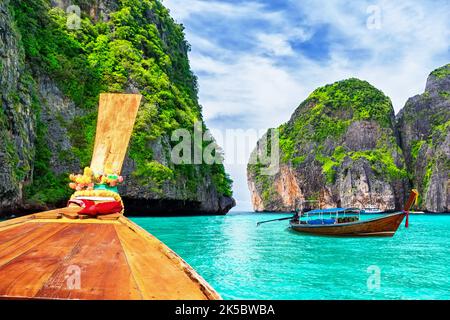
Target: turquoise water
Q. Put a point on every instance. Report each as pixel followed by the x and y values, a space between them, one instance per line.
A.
pixel 271 262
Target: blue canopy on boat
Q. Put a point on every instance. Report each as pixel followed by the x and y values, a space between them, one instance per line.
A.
pixel 331 210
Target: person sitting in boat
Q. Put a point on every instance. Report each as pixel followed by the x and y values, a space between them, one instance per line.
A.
pixel 296 217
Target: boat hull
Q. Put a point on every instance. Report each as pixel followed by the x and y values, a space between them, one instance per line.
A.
pixel 54 256
pixel 379 227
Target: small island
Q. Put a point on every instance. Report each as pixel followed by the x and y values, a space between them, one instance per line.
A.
pixel 344 147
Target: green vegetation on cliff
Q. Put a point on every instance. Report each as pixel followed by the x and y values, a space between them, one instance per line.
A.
pixel 329 110
pixel 442 72
pixel 437 136
pixel 425 130
pixel 139 48
pixel 327 114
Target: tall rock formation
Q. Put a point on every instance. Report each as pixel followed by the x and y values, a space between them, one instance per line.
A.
pixel 53 67
pixel 17 116
pixel 424 124
pixel 340 147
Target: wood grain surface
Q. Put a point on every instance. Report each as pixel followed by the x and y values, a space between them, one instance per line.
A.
pixel 116 117
pixel 114 260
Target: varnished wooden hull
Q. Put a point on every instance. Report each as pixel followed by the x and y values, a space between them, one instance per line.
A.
pixel 379 227
pixel 52 256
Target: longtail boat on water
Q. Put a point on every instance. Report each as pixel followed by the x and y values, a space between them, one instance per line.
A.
pixel 344 222
pixel 89 249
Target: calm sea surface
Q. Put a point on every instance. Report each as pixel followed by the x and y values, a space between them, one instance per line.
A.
pixel 242 261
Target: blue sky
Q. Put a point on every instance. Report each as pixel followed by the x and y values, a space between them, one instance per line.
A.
pixel 257 60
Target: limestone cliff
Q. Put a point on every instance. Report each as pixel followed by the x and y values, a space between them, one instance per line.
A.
pixel 340 147
pixel 424 124
pixel 17 116
pixel 53 67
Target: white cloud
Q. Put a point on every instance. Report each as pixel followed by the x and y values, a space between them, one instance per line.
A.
pixel 403 52
pixel 248 85
pixel 184 9
pixel 276 44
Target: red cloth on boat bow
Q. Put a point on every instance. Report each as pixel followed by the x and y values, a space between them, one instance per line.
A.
pixel 83 203
pixel 90 208
pixel 102 208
